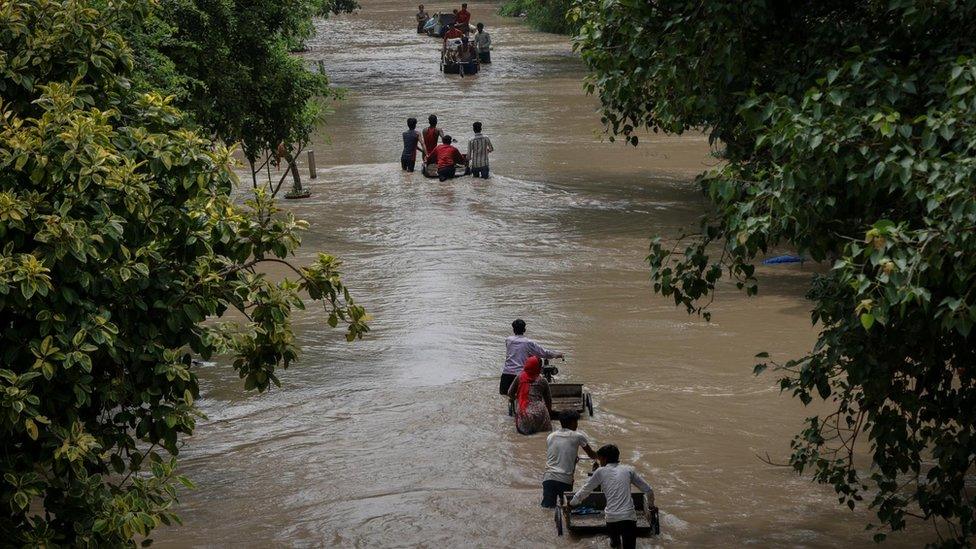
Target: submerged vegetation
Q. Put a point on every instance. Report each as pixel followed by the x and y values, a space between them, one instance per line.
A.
pixel 849 135
pixel 121 250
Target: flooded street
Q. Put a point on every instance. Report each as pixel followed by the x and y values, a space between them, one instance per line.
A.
pixel 401 440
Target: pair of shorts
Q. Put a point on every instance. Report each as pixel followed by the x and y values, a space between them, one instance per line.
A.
pixel 505 383
pixel 551 490
pixel 481 172
pixel 408 164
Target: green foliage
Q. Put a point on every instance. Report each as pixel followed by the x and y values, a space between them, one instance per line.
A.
pixel 248 88
pixel 543 15
pixel 227 64
pixel 120 251
pixel 513 8
pixel 849 135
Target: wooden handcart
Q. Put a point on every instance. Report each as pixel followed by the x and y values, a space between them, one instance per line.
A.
pixel 648 522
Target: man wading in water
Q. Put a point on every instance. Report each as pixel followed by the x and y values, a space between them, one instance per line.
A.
pixel 422 19
pixel 463 18
pixel 447 157
pixel 432 134
pixel 562 452
pixel 615 480
pixel 478 148
pixel 411 144
pixel 482 41
pixel 517 349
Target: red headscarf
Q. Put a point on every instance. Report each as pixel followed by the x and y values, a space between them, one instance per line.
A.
pixel 530 373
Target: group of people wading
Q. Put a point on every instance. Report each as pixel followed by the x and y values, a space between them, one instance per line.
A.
pixel 439 154
pixel 523 383
pixel 460 49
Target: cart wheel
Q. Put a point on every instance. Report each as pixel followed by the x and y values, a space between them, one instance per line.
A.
pixel 589 404
pixel 558 517
pixel 511 408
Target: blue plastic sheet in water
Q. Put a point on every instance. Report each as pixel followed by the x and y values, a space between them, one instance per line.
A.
pixel 784 259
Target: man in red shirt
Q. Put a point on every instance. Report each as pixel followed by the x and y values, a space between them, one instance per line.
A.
pixel 447 157
pixel 463 18
pixel 453 32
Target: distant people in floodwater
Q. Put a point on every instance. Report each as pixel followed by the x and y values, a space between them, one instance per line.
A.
pixel 533 401
pixel 447 158
pixel 614 481
pixel 467 57
pixel 412 143
pixel 482 41
pixel 422 18
pixel 518 349
pixel 432 134
pixel 463 18
pixel 478 149
pixel 441 155
pixel 562 453
pixel 453 33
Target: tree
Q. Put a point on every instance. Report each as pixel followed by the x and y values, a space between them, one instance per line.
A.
pixel 848 134
pixel 228 65
pixel 543 15
pixel 120 252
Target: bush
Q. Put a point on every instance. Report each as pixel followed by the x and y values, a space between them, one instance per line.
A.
pixel 543 15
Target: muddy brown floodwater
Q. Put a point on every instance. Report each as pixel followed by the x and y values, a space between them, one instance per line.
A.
pixel 400 440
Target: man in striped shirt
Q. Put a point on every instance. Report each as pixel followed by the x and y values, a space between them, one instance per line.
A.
pixel 478 148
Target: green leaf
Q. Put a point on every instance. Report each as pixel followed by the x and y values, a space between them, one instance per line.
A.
pixel 867 320
pixel 21 500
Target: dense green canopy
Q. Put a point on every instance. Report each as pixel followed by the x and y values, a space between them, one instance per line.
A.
pixel 228 65
pixel 848 130
pixel 120 249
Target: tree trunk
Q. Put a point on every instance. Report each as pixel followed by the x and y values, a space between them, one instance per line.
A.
pixel 254 174
pixel 296 177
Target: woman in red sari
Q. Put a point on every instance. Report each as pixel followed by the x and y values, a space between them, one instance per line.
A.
pixel 533 403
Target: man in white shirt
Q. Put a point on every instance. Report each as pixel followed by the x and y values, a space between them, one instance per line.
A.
pixel 615 480
pixel 562 447
pixel 517 349
pixel 482 41
pixel 478 149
